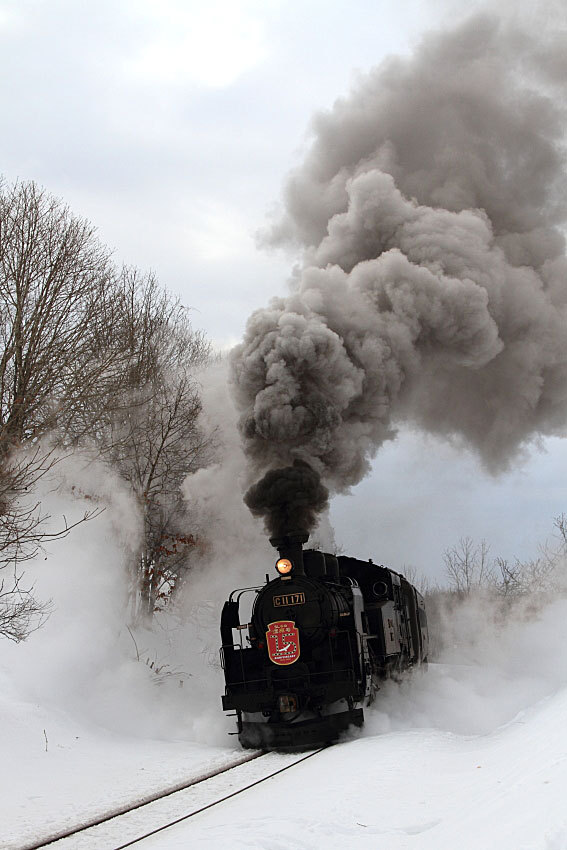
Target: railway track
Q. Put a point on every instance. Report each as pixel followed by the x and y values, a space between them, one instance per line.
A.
pixel 130 825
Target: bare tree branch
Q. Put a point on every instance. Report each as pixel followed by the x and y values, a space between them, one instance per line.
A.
pixel 467 566
pixel 92 355
pixel 152 434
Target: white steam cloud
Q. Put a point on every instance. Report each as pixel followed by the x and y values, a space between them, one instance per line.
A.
pixel 84 662
pixel 488 670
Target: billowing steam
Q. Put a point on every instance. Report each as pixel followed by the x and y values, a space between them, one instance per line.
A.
pixel 434 284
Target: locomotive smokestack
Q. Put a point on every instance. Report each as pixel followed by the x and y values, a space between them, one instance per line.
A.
pixel 291 546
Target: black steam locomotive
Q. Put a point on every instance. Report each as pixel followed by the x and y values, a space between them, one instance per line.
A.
pixel 320 638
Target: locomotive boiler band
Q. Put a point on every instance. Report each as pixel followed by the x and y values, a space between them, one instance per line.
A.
pixel 322 636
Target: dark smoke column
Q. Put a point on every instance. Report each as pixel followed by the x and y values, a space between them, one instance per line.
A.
pixel 431 209
pixel 289 499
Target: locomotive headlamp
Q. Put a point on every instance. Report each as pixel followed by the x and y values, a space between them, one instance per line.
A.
pixel 284 566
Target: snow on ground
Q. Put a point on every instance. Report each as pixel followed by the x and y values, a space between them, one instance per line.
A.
pixel 471 754
pixel 57 771
pixel 425 788
pixel 408 781
pixel 422 789
pixel 91 716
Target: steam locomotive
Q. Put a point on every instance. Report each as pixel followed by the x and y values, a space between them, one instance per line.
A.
pixel 320 638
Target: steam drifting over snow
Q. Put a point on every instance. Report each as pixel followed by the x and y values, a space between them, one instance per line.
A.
pixel 84 662
pixel 434 279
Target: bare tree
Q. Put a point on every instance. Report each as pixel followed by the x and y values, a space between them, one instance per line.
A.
pixel 23 532
pixel 560 523
pixel 20 612
pixel 92 355
pixel 54 293
pixel 54 298
pixel 423 583
pixel 537 576
pixel 152 434
pixel 467 566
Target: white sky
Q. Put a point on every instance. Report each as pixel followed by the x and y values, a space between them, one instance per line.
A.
pixel 171 125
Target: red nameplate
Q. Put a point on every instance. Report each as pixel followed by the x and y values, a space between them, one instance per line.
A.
pixel 282 639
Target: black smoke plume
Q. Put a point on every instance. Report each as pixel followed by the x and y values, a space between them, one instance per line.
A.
pixel 431 210
pixel 288 499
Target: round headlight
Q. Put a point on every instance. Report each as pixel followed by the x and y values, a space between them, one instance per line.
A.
pixel 284 566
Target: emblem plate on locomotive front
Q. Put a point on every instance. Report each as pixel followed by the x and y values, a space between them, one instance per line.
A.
pixel 282 640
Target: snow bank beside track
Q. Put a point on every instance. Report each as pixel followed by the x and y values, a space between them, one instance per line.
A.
pixel 411 790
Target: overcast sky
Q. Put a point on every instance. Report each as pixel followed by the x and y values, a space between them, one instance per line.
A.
pixel 171 126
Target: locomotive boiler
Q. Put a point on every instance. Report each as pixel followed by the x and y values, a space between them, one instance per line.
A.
pixel 320 638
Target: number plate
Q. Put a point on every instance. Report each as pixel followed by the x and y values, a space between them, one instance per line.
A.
pixel 289 599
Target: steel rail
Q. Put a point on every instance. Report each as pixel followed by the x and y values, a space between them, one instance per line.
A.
pixel 45 841
pixel 215 802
